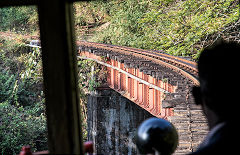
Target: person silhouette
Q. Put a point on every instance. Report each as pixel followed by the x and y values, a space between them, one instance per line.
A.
pixel 218 93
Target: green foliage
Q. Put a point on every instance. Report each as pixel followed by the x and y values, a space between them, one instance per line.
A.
pixel 14 91
pixel 87 13
pixel 33 66
pixel 124 28
pixel 90 76
pixel 22 126
pixel 18 19
pixel 86 75
pixel 22 110
pixel 7 84
pixel 176 27
pixel 87 83
pixel 88 16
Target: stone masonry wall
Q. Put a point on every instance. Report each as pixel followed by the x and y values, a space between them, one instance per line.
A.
pixel 113 121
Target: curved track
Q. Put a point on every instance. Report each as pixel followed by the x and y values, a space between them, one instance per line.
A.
pixel 185 67
pixel 187 117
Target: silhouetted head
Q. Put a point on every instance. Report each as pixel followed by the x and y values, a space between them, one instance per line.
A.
pixel 219 68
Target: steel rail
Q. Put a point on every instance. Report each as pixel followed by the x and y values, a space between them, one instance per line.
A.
pixel 183 63
pixel 154 52
pixel 147 56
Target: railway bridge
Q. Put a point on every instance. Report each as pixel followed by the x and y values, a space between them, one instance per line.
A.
pixel 141 79
pixel 155 81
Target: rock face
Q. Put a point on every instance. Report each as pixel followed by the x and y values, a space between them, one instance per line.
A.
pixel 113 121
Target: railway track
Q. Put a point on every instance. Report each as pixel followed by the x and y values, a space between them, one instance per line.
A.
pixel 185 67
pixel 181 65
pixel 188 117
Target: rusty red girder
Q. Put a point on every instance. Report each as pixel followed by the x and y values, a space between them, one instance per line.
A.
pixel 139 93
pixel 141 87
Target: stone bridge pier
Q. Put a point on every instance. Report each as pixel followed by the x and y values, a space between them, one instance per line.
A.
pixel 113 121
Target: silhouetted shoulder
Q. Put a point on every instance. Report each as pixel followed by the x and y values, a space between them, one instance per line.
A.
pixel 225 141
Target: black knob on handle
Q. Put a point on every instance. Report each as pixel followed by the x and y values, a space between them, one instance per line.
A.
pixel 157 135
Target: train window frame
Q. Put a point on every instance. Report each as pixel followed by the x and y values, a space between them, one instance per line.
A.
pixel 59 73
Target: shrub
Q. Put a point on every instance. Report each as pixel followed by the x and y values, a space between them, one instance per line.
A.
pixel 22 126
pixel 176 27
pixel 18 19
pixel 22 109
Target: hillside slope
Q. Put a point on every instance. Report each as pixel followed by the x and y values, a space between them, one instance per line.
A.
pixel 178 27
